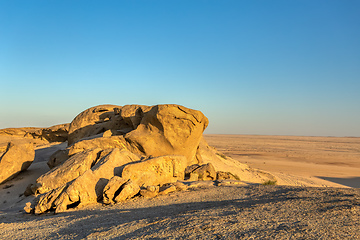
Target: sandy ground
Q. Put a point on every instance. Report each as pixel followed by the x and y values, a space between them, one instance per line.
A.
pixel 336 160
pixel 251 212
pixel 213 212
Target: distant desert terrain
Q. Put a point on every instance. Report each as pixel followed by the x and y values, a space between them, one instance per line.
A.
pixel 333 159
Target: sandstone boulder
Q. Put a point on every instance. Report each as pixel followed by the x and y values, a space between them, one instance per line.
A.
pixel 57 133
pixel 180 186
pixel 66 172
pixel 92 121
pixel 88 187
pixel 149 191
pixel 156 171
pixel 16 158
pixel 167 189
pixel 99 119
pixel 200 172
pixel 111 189
pixel 128 190
pixel 19 132
pixel 153 131
pixel 58 158
pixel 169 130
pixel 206 172
pixel 102 143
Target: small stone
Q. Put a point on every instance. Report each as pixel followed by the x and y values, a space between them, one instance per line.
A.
pixel 150 191
pixel 129 190
pixel 168 189
pixel 28 208
pixel 180 186
pixel 107 133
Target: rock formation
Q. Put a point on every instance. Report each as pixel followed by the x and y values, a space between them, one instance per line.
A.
pixel 16 158
pixel 115 153
pixel 57 133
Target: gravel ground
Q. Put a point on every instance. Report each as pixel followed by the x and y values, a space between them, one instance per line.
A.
pixel 226 212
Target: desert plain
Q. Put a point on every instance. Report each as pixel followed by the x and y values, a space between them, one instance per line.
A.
pixel 316 196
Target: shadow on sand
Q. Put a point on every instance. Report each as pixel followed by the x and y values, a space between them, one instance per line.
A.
pixel 140 217
pixel 353 182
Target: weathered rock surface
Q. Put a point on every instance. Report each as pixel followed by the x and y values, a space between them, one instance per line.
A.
pixel 200 172
pixel 115 153
pixel 68 171
pixel 58 158
pixel 16 158
pixel 206 172
pixel 220 175
pixel 111 188
pixel 102 143
pixel 92 121
pixel 152 131
pixel 99 119
pixel 57 133
pixel 156 171
pixel 128 190
pixel 169 130
pixel 149 191
pixel 89 186
pixel 167 189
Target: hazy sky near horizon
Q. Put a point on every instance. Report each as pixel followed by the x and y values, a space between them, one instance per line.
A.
pixel 252 67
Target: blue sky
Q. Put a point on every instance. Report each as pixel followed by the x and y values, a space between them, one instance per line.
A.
pixel 252 67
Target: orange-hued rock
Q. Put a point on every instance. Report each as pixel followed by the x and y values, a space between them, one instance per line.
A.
pixel 17 158
pixel 129 190
pixel 169 130
pixel 111 188
pixel 149 191
pixel 156 171
pixel 66 172
pixel 116 152
pixel 57 133
pixel 152 131
pixel 89 186
pixel 205 172
pixel 93 121
pixel 99 119
pixel 58 158
pixel 102 143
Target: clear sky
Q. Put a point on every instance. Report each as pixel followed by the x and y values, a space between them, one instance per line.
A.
pixel 288 67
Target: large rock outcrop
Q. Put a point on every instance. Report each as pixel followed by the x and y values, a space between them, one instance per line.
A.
pixel 115 153
pixel 152 131
pixel 17 158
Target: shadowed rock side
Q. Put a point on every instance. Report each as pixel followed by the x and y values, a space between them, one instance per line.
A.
pixel 17 158
pixel 115 153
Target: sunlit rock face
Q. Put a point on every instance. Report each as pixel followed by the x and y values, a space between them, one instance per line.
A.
pixel 16 158
pixel 144 145
pixel 117 152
